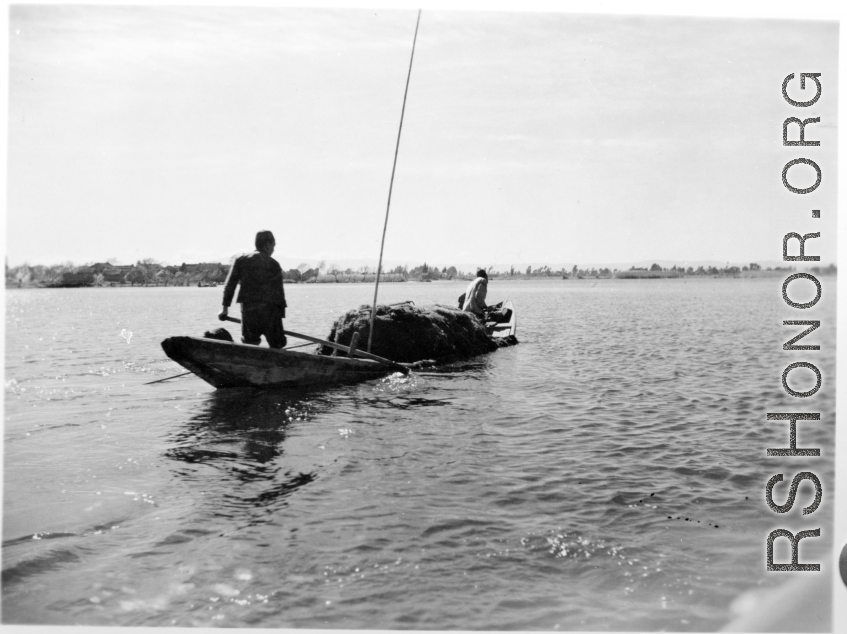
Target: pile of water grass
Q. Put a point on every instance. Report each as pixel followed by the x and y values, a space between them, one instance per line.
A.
pixel 409 334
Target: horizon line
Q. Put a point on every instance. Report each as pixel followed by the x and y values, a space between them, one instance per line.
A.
pixel 345 262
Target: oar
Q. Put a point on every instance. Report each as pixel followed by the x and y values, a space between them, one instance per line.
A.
pixel 337 346
pixel 299 345
pixel 167 379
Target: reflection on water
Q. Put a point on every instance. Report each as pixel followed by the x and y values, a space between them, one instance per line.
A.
pixel 254 420
pixel 239 435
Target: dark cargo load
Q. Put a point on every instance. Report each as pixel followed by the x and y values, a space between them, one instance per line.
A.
pixel 407 333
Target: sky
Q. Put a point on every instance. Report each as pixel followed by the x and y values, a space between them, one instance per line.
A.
pixel 176 133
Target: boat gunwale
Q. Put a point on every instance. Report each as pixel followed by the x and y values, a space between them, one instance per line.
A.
pixel 263 351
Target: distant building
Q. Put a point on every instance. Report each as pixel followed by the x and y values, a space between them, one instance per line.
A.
pixel 115 272
pixel 200 266
pixel 77 279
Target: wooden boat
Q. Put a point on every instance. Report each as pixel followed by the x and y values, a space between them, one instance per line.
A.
pixel 501 330
pixel 227 364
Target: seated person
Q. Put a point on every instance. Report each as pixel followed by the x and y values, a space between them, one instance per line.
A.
pixel 475 295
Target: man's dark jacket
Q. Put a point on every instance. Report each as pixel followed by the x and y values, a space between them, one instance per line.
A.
pixel 261 282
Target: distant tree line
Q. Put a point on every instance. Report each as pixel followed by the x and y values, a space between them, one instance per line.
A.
pixel 148 272
pixel 751 270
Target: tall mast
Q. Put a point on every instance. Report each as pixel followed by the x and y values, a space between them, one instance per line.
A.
pixel 391 185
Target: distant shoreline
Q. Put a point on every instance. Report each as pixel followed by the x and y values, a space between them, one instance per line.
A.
pixel 213 274
pixel 620 275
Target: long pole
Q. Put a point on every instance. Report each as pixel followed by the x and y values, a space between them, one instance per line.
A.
pixel 391 185
pixel 337 346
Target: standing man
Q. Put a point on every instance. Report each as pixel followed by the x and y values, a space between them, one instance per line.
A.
pixel 475 295
pixel 262 296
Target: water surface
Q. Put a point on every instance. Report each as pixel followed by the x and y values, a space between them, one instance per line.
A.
pixel 606 474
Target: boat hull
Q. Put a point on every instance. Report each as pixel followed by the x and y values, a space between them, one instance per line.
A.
pixel 507 329
pixel 225 364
